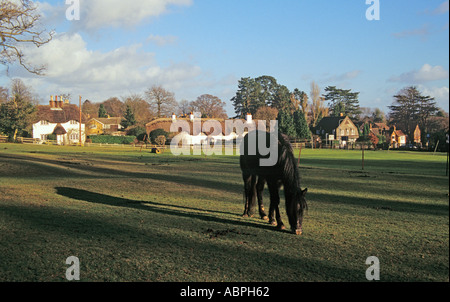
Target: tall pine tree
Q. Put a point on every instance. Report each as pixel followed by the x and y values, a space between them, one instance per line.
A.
pixel 342 102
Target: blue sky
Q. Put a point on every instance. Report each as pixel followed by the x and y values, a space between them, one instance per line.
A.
pixel 193 47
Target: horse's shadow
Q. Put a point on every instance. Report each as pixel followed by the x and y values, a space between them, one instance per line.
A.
pixel 173 210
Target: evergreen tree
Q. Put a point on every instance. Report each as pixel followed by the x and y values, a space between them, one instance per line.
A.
pixel 286 123
pixel 301 126
pixel 102 112
pixel 129 119
pixel 342 102
pixel 411 108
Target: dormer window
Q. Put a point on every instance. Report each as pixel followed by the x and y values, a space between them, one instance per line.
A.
pixel 73 122
pixel 43 123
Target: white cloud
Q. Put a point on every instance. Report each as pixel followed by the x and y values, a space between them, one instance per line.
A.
pixel 426 73
pixel 73 68
pixel 118 13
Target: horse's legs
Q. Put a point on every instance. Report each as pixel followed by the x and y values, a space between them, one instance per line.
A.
pixel 250 194
pixel 259 191
pixel 274 189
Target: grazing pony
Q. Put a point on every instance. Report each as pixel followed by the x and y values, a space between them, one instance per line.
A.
pixel 284 173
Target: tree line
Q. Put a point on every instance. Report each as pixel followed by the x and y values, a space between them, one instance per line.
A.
pixel 18 108
pixel 298 112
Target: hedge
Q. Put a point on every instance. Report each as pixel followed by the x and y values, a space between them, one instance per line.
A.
pixel 109 139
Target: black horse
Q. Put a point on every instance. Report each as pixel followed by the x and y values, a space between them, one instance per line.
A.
pixel 283 173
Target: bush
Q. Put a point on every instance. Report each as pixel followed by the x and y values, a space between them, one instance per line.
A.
pixel 157 132
pixel 109 139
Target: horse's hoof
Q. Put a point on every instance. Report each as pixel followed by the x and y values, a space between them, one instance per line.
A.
pixel 297 232
pixel 273 222
pixel 265 218
pixel 281 227
pixel 245 215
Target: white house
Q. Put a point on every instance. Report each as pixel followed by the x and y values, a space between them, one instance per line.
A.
pixel 61 119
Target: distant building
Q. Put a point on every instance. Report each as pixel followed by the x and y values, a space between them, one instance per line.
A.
pixel 397 138
pixel 417 135
pixel 59 118
pixel 337 128
pixel 109 125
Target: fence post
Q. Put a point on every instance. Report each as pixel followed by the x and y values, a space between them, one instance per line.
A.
pixel 362 147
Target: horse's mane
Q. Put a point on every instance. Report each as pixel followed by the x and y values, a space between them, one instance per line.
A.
pixel 287 163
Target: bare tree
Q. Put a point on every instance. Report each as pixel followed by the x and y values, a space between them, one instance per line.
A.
pixel 161 101
pixel 318 110
pixel 19 27
pixel 210 106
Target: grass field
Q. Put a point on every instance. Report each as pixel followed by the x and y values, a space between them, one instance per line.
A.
pixel 132 216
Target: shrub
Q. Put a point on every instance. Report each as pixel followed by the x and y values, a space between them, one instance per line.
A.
pixel 157 132
pixel 109 139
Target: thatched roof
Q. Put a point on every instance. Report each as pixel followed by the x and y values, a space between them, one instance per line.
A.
pixel 69 112
pixel 59 130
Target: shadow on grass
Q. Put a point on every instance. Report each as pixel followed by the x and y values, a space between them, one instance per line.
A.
pixel 173 210
pixel 380 204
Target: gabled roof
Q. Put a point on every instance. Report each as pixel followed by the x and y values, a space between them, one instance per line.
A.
pixel 108 120
pixel 59 130
pixel 63 115
pixel 329 123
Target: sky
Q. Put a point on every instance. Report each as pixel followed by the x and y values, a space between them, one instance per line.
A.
pixel 194 47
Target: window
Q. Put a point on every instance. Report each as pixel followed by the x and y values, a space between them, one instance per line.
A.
pixel 44 137
pixel 44 123
pixel 73 122
pixel 74 136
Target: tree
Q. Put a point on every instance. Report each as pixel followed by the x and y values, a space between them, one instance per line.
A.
pixel 128 119
pixel 184 107
pixel 286 123
pixel 266 114
pixel 209 106
pixel 318 110
pixel 140 108
pixel 411 108
pixel 4 94
pixel 254 93
pixel 301 126
pixel 102 111
pixel 15 116
pixel 114 107
pixel 342 102
pixel 301 98
pixel 90 109
pixel 281 99
pixel 19 21
pixel 161 101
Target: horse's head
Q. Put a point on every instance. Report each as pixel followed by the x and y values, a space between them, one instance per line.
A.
pixel 300 206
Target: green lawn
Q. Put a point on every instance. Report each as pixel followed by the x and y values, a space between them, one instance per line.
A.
pixel 136 216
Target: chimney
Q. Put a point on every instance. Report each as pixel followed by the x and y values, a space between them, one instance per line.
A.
pixel 249 117
pixel 52 102
pixel 174 117
pixel 191 117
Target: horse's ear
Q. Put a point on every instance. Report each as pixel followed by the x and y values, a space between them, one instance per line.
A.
pixel 305 191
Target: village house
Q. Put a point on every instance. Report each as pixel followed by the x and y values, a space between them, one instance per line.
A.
pixel 60 119
pixel 397 138
pixel 337 128
pixel 108 125
pixel 197 136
